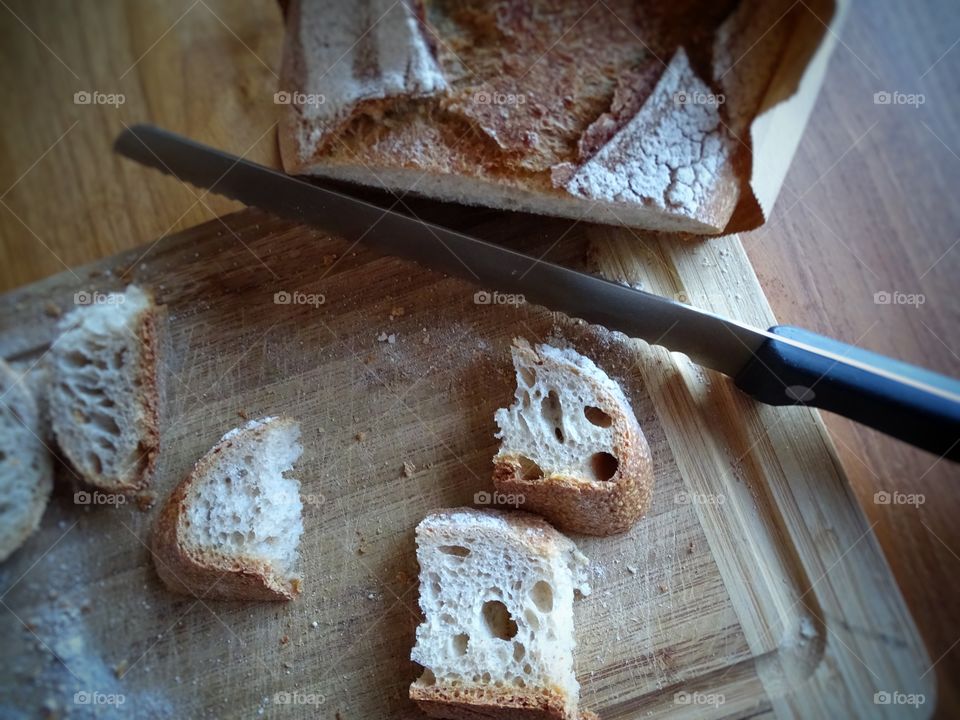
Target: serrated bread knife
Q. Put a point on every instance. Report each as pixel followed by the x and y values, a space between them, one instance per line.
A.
pixel 780 366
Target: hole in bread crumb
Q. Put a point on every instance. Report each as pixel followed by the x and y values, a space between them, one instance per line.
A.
pixel 460 643
pixel 542 596
pixel 428 678
pixel 552 413
pixel 528 376
pixel 532 620
pixel 604 465
pixel 455 550
pixel 518 681
pixel 518 651
pixel 529 470
pixel 597 416
pixel 498 620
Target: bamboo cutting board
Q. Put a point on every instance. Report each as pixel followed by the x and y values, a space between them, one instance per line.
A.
pixel 753 587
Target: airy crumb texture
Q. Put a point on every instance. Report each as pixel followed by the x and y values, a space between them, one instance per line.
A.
pixel 232 527
pixel 103 390
pixel 572 446
pixel 496 590
pixel 26 469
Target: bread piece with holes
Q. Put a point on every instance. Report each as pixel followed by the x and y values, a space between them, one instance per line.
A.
pixel 571 445
pixel 26 468
pixel 104 395
pixel 497 641
pixel 232 526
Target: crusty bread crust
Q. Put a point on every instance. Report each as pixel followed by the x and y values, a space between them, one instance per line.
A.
pixel 150 373
pixel 486 703
pixel 211 575
pixel 585 505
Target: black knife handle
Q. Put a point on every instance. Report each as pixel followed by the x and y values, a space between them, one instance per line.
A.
pixel 902 400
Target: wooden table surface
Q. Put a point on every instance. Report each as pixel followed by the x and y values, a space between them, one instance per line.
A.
pixel 867 206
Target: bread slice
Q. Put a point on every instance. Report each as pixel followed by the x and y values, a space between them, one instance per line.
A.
pixel 627 121
pixel 26 468
pixel 497 641
pixel 103 389
pixel 232 527
pixel 572 447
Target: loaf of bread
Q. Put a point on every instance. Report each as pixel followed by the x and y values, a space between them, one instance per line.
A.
pixel 628 113
pixel 571 446
pixel 231 529
pixel 497 641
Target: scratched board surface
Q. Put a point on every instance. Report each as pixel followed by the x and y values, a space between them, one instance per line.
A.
pixel 750 588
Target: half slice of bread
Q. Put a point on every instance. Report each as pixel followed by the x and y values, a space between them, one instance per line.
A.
pixel 572 447
pixel 103 390
pixel 232 526
pixel 26 468
pixel 496 590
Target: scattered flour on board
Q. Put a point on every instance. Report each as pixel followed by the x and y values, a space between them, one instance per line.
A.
pixel 59 673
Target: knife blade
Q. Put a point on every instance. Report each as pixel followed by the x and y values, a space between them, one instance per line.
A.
pixel 779 366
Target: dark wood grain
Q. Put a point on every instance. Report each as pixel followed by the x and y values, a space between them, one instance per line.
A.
pixel 868 205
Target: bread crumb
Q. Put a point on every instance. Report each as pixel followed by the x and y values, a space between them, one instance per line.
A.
pixel 632 569
pixel 408 469
pixel 145 501
pixel 397 311
pixel 359 437
pixel 52 309
pixel 662 588
pixel 690 548
pixel 285 639
pixel 120 668
pixel 314 624
pixel 328 259
pixel 243 414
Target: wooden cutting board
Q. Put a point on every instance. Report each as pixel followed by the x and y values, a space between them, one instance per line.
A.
pixel 754 586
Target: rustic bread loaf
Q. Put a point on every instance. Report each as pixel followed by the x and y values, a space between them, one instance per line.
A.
pixel 571 445
pixel 103 390
pixel 628 113
pixel 496 590
pixel 232 526
pixel 26 468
